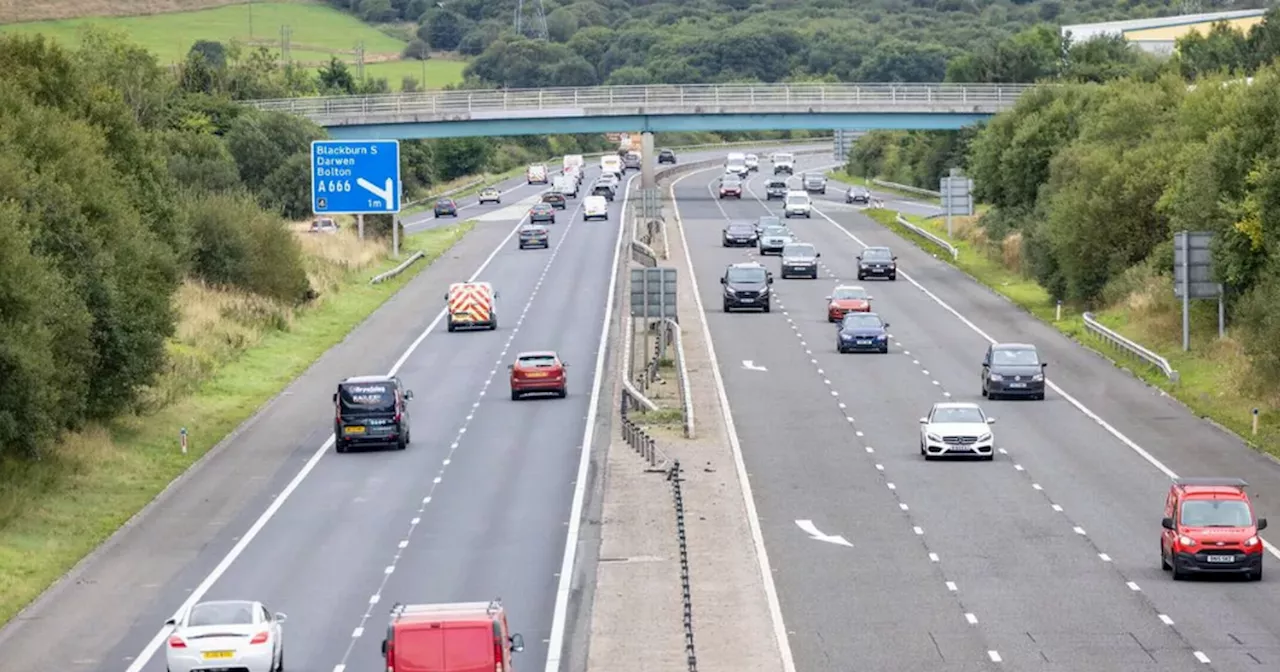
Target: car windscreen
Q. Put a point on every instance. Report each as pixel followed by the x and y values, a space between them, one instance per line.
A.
pixel 221 613
pixel 536 361
pixel 731 183
pixel 797 199
pixel 877 254
pixel 1216 513
pixel 803 250
pixel 358 398
pixel 849 294
pixel 776 185
pixel 776 231
pixel 746 275
pixel 739 227
pixel 962 415
pixel 768 221
pixel 855 321
pixel 782 157
pixel 1022 357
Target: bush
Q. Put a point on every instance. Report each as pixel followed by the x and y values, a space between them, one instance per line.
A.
pixel 417 50
pixel 236 244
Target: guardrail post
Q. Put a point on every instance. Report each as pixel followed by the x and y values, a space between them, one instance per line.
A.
pixel 540 92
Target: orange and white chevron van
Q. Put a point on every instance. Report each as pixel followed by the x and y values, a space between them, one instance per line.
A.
pixel 472 305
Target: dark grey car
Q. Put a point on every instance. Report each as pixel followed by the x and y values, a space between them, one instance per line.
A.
pixel 800 260
pixel 740 234
pixel 1013 370
pixel 815 183
pixel 535 235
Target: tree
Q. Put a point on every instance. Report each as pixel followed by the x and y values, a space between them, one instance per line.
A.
pixel 443 29
pixel 336 77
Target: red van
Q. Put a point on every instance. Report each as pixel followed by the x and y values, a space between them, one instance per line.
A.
pixel 455 637
pixel 1210 527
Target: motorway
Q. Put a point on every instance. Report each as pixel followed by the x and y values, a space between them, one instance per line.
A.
pixel 1045 559
pixel 479 506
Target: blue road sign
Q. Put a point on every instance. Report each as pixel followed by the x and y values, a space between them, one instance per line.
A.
pixel 355 177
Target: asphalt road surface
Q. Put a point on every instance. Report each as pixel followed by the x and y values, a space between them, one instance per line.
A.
pixel 1045 559
pixel 477 507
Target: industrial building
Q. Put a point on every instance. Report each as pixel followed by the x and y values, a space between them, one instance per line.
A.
pixel 1160 36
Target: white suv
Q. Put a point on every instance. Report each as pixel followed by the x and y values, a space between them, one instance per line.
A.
pixel 956 429
pixel 797 205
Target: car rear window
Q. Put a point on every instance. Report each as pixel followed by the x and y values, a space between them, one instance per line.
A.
pixel 367 398
pixel 221 613
pixel 537 361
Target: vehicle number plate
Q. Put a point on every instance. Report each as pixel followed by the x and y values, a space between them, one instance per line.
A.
pixel 218 655
pixel 1017 384
pixel 747 300
pixel 1222 558
pixel 536 374
pixel 864 341
pixel 354 430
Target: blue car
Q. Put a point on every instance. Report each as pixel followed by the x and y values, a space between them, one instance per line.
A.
pixel 862 332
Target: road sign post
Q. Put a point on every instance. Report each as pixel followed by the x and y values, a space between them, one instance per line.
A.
pixel 1193 278
pixel 957 196
pixel 357 177
pixel 653 297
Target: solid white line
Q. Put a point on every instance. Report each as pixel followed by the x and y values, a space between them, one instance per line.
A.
pixel 1089 413
pixel 748 500
pixel 1134 587
pixel 555 647
pixel 1201 657
pixel 203 588
pixel 1165 619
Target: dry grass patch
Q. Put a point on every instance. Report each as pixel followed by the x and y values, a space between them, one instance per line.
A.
pixel 15 11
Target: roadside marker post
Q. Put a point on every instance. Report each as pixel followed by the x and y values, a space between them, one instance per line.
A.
pixel 357 177
pixel 182 438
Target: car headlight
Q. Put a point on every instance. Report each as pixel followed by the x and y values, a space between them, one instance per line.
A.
pixel 996 377
pixel 1251 541
pixel 1184 540
pixel 881 337
pixel 934 437
pixel 984 438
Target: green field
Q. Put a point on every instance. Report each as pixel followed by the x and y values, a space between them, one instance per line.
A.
pixel 317 32
pixel 432 74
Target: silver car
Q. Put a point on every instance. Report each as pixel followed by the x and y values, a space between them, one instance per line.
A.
pixel 800 260
pixel 226 635
pixel 774 238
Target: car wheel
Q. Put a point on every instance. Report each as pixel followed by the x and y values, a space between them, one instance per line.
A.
pixel 988 458
pixel 408 436
pixel 992 396
pixel 984 390
pixel 515 396
pixel 893 276
pixel 861 277
pixel 727 309
pixel 766 307
pixel 1177 574
pixel 400 444
pixel 450 326
pixel 726 244
pixel 340 446
pixel 1256 576
pixel 280 665
pixel 884 350
pixel 1164 562
pixel 1040 397
pixel 564 392
pixel 808 216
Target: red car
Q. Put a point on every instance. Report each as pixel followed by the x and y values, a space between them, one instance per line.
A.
pixel 538 373
pixel 731 188
pixel 1210 528
pixel 847 299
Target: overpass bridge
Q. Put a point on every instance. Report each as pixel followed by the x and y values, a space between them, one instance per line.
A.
pixel 652 108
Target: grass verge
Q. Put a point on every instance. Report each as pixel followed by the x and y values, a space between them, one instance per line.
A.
pixel 232 353
pixel 665 394
pixel 1146 313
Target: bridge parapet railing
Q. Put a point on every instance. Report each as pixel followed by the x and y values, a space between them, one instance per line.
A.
pixel 604 100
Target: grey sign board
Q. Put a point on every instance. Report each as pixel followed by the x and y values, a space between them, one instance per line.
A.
pixel 844 140
pixel 653 293
pixel 957 195
pixel 1193 265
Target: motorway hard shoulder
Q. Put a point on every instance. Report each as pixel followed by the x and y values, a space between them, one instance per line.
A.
pixel 1030 545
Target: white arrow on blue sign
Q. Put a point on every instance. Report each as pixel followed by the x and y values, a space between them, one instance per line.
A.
pixel 355 177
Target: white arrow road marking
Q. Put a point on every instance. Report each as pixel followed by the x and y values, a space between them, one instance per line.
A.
pixel 816 534
pixel 751 366
pixel 384 194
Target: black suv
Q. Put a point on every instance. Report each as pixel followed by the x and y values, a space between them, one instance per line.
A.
pixel 746 285
pixel 666 156
pixel 877 262
pixel 858 195
pixel 1013 370
pixel 370 411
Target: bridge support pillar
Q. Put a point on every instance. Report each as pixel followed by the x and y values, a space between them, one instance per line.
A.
pixel 648 162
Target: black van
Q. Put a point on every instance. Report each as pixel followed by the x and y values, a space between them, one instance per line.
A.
pixel 370 411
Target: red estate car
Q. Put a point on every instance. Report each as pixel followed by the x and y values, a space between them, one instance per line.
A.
pixel 538 372
pixel 1210 528
pixel 847 299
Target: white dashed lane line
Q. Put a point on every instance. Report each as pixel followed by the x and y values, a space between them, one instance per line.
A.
pixel 918 531
pixel 453 447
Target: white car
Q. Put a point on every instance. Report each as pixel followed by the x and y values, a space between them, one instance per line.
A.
pixel 957 429
pixel 595 206
pixel 797 205
pixel 752 162
pixel 228 634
